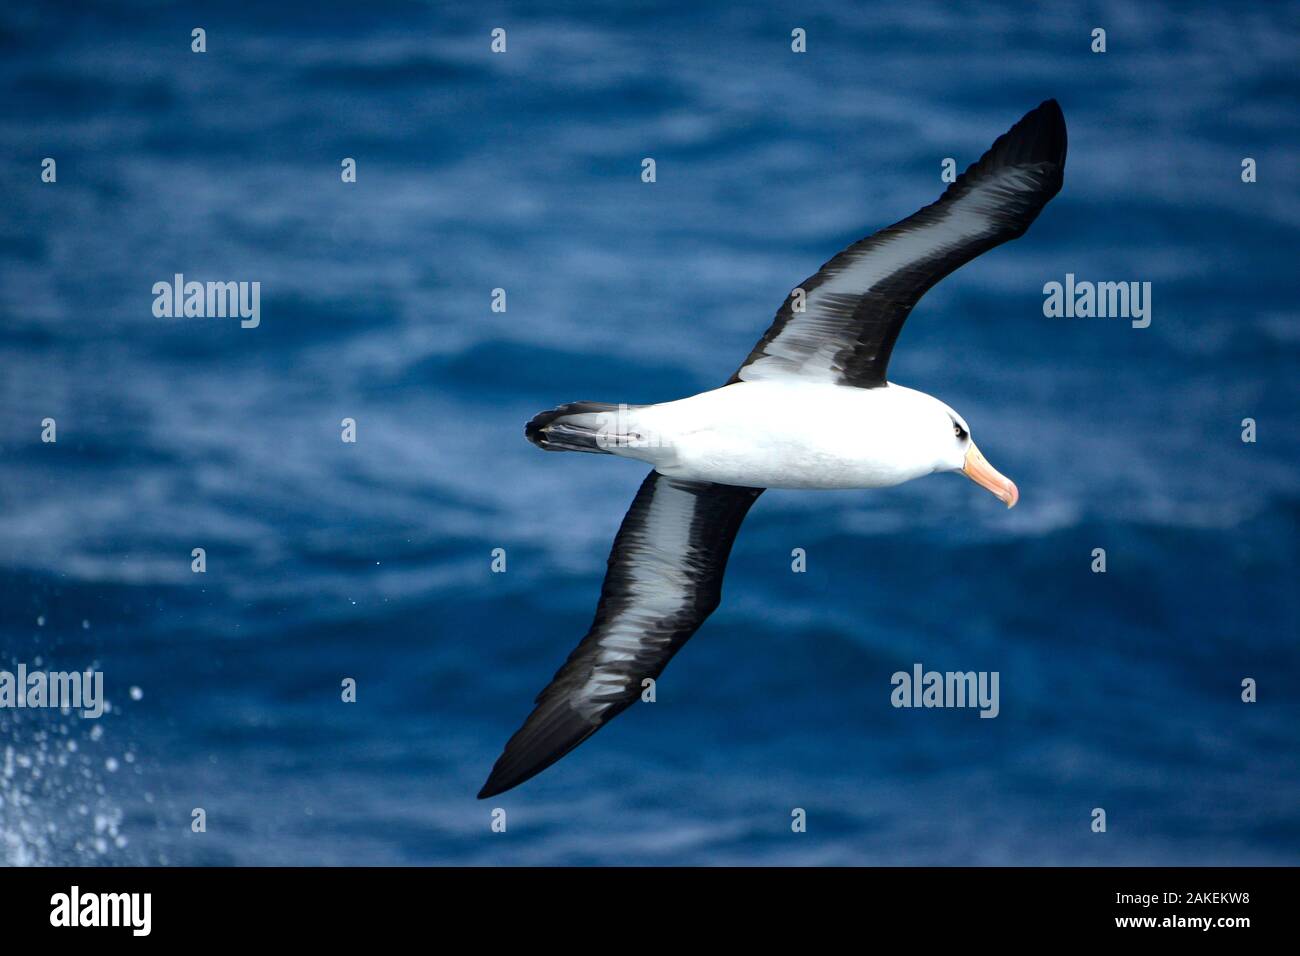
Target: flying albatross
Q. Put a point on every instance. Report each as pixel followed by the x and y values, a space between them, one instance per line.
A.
pixel 809 408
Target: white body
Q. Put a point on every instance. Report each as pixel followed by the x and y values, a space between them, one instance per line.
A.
pixel 771 434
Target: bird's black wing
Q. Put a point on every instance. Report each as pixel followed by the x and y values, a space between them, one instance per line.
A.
pixel 855 306
pixel 664 578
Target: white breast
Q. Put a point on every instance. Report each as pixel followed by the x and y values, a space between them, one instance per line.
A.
pixel 772 434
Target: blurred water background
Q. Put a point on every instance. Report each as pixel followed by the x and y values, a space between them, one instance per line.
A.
pixel 522 171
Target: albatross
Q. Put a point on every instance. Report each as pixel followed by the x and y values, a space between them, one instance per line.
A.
pixel 809 408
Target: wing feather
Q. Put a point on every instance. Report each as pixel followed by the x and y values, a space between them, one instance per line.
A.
pixel 854 306
pixel 664 578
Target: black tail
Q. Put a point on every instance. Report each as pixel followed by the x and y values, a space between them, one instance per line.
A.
pixel 577 426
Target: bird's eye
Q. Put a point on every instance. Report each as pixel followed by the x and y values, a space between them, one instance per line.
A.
pixel 958 430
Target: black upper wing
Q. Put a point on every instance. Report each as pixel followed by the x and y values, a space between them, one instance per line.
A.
pixel 664 578
pixel 856 304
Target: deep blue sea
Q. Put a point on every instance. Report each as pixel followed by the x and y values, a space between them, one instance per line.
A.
pixel 326 560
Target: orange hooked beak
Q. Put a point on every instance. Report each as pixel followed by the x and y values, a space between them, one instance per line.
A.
pixel 978 470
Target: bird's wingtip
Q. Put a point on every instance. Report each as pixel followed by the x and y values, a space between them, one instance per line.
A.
pixel 1037 137
pixel 1046 113
pixel 1052 112
pixel 494 784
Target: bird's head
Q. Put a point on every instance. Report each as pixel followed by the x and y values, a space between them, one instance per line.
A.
pixel 960 453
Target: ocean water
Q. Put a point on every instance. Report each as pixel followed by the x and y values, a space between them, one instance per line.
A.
pixel 521 171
